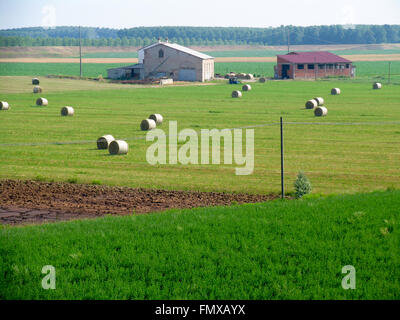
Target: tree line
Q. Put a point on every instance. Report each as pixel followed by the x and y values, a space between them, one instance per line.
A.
pixel 141 36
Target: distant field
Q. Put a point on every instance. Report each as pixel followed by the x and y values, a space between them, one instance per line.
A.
pixel 275 250
pixel 42 69
pixel 216 51
pixel 273 53
pixel 364 68
pixel 95 69
pixel 132 54
pixel 258 68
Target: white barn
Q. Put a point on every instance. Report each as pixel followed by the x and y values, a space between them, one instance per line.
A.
pixel 171 60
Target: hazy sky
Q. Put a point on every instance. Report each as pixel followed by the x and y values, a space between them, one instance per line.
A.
pixel 236 13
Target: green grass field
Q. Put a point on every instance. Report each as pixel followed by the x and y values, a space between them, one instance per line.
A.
pixel 337 158
pixel 292 249
pixel 241 53
pixel 365 69
pixel 273 53
pixel 275 250
pixel 132 54
pixel 65 69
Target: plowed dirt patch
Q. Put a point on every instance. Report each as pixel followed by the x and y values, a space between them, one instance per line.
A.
pixel 23 202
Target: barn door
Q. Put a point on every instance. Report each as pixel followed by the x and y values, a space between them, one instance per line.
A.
pixel 285 69
pixel 187 75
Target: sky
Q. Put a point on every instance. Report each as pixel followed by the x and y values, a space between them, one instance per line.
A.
pixel 233 13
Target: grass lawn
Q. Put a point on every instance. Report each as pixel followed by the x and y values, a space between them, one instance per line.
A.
pixel 337 158
pixel 292 249
pixel 278 250
pixel 65 69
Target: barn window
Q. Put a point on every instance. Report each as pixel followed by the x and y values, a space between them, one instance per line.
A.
pixel 310 67
pixel 330 66
pixel 321 66
pixel 300 66
pixel 161 53
pixel 347 66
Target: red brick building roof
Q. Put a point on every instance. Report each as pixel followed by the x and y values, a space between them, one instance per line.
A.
pixel 312 57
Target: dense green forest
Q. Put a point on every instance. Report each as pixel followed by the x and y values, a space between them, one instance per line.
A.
pixel 69 36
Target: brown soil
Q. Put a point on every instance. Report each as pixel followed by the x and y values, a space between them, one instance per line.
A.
pixel 24 202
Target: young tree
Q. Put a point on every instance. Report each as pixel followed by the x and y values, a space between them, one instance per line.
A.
pixel 302 185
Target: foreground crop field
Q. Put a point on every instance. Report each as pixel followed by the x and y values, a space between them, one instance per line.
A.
pixel 274 250
pixel 355 148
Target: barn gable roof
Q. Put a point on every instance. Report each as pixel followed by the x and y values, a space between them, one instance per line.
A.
pixel 313 57
pixel 180 48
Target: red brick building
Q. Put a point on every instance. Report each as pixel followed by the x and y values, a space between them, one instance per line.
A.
pixel 312 65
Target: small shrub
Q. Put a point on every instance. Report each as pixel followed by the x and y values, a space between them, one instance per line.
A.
pixel 96 182
pixel 302 185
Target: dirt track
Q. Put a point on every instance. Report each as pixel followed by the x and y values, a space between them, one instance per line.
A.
pixel 24 202
pixel 358 57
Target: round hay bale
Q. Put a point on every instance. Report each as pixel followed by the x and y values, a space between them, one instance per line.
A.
pixel 246 87
pixel 37 89
pixel 320 101
pixel 311 104
pixel 377 85
pixel 67 111
pixel 262 80
pixel 104 141
pixel 335 91
pixel 158 118
pixel 4 105
pixel 241 75
pixel 118 147
pixel 147 124
pixel 35 81
pixel 236 94
pixel 249 76
pixel 42 102
pixel 320 112
pixel 230 75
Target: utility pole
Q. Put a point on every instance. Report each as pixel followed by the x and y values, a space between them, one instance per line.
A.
pixel 80 53
pixel 389 71
pixel 288 40
pixel 282 169
pixel 315 69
